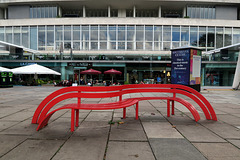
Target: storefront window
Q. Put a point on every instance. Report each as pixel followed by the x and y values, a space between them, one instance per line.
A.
pixel 2 33
pixel 228 36
pixel 131 37
pixel 103 37
pixel 211 38
pixel 157 37
pixel 50 37
pixel 193 36
pixel 184 36
pixel 219 37
pixel 175 36
pixel 16 34
pixel 202 37
pixel 85 37
pixel 41 37
pixel 148 37
pixel 33 38
pixel 139 37
pixel 121 37
pixel 166 38
pixel 236 35
pixel 25 36
pixel 8 34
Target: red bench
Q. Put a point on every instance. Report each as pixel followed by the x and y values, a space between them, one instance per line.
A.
pixel 42 114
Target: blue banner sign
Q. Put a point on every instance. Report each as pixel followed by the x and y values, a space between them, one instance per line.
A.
pixel 180 67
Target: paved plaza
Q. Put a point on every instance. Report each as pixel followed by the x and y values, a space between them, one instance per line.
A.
pixel 153 137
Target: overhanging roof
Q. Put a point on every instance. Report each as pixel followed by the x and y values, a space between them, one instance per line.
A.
pixel 234 47
pixel 9 46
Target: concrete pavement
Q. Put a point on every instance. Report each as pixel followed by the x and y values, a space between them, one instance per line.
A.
pixel 153 137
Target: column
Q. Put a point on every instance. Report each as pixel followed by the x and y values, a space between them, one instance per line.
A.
pixel 59 12
pixel 134 11
pixel 84 11
pixel 203 76
pixel 236 80
pixel 109 11
pixel 160 11
pixel 184 12
pixel 5 13
pixel 63 77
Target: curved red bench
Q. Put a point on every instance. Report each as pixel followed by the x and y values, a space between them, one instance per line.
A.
pixel 42 114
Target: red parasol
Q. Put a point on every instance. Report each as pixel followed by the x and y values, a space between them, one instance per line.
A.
pixel 91 72
pixel 112 71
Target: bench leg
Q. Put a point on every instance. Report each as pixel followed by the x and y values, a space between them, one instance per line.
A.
pixel 124 113
pixel 137 111
pixel 72 119
pixel 168 108
pixel 172 107
pixel 77 118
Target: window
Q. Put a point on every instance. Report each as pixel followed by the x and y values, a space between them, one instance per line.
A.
pixel 199 11
pixel 41 38
pixel 219 37
pixel 157 37
pixel 25 36
pixel 175 36
pixel 131 37
pixel 202 37
pixel 193 36
pixel 43 11
pixel 227 36
pixel 184 36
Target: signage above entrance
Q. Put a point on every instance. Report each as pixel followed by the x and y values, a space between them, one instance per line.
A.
pixel 78 64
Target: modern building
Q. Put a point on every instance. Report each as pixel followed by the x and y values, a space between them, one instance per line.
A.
pixel 133 36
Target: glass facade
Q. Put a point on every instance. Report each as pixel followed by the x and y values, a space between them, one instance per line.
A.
pixel 202 12
pixel 43 11
pixel 119 37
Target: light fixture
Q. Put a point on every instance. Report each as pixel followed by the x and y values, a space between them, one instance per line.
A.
pixel 168 74
pixel 164 71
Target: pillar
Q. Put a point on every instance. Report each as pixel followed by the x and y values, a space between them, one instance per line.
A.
pixel 63 77
pixel 134 11
pixel 109 11
pixel 84 11
pixel 236 80
pixel 159 11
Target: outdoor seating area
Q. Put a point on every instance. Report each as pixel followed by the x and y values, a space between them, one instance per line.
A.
pixel 42 114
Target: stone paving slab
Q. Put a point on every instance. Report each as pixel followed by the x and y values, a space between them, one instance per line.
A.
pixel 152 117
pixel 174 148
pixel 88 129
pixel 230 119
pixel 4 125
pixel 181 118
pixel 198 133
pixel 129 151
pixel 235 142
pixel 22 128
pixel 88 142
pixel 59 129
pixel 34 149
pixel 19 116
pixel 9 142
pixel 160 130
pixel 130 130
pixel 85 148
pixel 218 150
pixel 222 129
pixel 99 116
